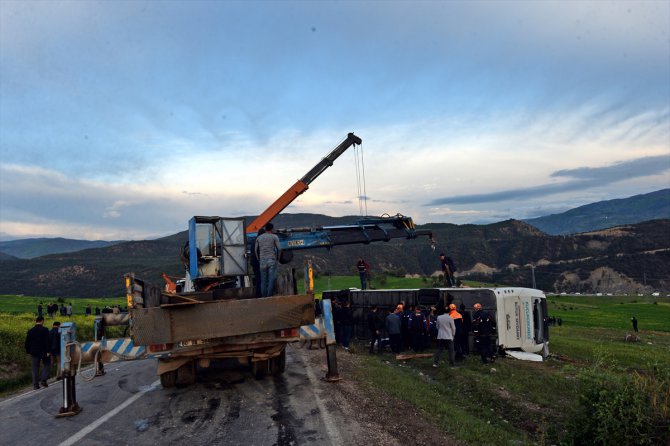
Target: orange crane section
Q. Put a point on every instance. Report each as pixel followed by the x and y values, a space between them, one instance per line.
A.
pixel 301 185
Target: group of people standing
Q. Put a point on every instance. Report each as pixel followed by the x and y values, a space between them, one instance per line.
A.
pixel 411 327
pixel 67 311
pixel 447 265
pixel 43 346
pixel 52 308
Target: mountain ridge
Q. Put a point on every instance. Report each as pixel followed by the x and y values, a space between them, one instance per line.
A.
pixel 605 214
pixel 29 248
pixel 630 258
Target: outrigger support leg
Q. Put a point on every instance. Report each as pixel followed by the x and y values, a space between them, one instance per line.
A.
pixel 331 343
pixel 68 370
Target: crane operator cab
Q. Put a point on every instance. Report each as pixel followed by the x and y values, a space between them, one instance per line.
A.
pixel 216 253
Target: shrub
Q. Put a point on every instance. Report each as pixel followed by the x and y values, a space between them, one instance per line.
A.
pixel 622 409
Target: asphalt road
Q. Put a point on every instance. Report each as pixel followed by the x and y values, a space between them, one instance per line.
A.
pixel 227 406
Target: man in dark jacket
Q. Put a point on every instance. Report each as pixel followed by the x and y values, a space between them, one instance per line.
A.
pixel 54 342
pixel 375 325
pixel 37 346
pixel 483 328
pixel 417 329
pixel 346 323
pixel 448 269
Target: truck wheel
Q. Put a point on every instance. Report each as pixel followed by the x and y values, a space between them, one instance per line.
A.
pixel 186 374
pixel 278 363
pixel 169 379
pixel 260 369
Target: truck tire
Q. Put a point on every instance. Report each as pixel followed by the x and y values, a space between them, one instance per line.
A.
pixel 260 368
pixel 169 379
pixel 278 363
pixel 186 374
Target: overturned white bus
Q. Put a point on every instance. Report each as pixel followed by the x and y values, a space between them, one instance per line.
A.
pixel 520 313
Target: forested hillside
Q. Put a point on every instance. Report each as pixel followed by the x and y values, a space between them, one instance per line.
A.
pixel 629 258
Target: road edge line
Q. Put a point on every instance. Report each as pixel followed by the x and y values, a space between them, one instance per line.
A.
pixel 94 425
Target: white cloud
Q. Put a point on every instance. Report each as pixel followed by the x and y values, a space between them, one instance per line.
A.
pixel 114 211
pixel 115 123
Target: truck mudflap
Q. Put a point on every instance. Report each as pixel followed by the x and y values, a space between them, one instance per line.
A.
pixel 219 319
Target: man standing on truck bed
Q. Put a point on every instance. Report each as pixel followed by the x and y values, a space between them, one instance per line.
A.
pixel 448 269
pixel 363 268
pixel 267 252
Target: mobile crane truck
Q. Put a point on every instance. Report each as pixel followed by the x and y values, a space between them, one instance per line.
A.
pixel 214 312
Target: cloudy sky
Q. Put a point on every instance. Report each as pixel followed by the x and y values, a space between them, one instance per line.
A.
pixel 121 120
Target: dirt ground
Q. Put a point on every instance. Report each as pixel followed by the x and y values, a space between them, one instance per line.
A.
pixel 383 418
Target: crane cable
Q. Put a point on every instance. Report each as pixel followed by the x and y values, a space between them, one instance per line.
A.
pixel 360 181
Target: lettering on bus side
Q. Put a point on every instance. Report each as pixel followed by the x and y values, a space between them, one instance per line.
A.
pixel 296 243
pixel 517 319
pixel 527 307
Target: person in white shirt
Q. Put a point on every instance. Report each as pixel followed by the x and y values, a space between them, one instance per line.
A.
pixel 446 331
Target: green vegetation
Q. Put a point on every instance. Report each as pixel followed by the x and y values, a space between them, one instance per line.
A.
pixel 25 304
pixel 377 281
pixel 14 362
pixel 612 311
pixel 595 388
pixel 17 316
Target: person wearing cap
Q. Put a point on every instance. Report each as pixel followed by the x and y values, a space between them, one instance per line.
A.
pixel 483 328
pixel 446 330
pixel 459 338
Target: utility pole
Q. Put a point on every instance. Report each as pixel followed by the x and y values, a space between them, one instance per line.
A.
pixel 532 268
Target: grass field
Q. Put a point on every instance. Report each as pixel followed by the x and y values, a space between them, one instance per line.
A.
pixel 528 402
pixel 26 304
pixel 17 316
pixel 324 283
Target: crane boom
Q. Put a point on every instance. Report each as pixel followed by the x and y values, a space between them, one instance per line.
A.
pixel 302 184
